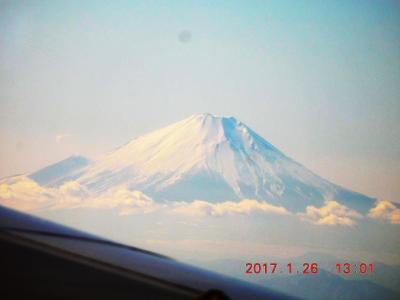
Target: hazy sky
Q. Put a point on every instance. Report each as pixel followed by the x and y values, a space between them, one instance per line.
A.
pixel 318 79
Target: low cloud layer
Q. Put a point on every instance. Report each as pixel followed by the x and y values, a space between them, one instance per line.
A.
pixel 22 193
pixel 25 194
pixel 332 213
pixel 246 207
pixel 128 202
pixel 387 211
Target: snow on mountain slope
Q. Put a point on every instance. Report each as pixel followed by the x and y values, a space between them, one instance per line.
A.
pixel 215 159
pixel 58 173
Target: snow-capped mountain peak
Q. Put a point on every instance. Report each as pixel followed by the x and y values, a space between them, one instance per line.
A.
pixel 201 143
pixel 212 158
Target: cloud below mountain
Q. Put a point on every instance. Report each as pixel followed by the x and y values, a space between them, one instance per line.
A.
pixel 24 194
pixel 385 210
pixel 245 206
pixel 332 213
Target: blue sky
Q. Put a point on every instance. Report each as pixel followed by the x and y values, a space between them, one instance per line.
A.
pixel 319 79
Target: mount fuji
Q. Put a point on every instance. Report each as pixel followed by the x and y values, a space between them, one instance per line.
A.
pixel 204 157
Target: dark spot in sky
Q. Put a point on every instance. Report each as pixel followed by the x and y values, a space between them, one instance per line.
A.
pixel 185 36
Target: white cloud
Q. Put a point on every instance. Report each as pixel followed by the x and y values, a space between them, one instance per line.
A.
pixel 61 136
pixel 128 202
pixel 332 213
pixel 246 206
pixel 73 188
pixel 24 194
pixel 385 210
